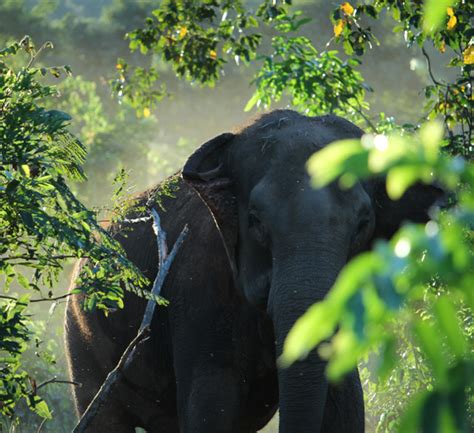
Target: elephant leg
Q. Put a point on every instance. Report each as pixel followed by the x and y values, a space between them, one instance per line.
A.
pixel 212 404
pixel 344 409
pixel 113 416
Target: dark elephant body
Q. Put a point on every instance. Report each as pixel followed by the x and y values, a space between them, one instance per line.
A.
pixel 210 358
pixel 239 282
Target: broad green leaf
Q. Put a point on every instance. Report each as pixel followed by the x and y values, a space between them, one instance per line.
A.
pixel 26 170
pixel 388 357
pixel 385 151
pixel 448 322
pixel 39 406
pixel 411 417
pixel 434 13
pixel 320 321
pixel 345 156
pixel 430 343
pixel 252 101
pixel 431 134
pixel 399 179
pixel 347 353
pixel 317 324
pixel 23 280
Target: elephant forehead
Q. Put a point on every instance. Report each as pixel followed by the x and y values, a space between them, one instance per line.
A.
pixel 284 133
pixel 282 141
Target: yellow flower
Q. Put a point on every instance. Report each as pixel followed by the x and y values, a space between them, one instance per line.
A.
pixel 347 8
pixel 213 55
pixel 452 22
pixel 182 32
pixel 146 112
pixel 469 55
pixel 339 27
pixel 452 19
pixel 442 47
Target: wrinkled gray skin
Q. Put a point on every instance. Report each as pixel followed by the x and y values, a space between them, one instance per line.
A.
pixel 281 245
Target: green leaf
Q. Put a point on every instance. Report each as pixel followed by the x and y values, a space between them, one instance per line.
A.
pixel 347 355
pixel 431 135
pixel 448 322
pixel 39 406
pixel 252 101
pixel 345 156
pixel 434 14
pixel 321 319
pixel 431 345
pixel 399 179
pixel 23 280
pixel 388 357
pixel 318 323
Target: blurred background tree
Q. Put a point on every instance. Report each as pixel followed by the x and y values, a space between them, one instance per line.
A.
pixel 190 85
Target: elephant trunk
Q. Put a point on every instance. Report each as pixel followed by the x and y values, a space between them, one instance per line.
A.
pixel 303 387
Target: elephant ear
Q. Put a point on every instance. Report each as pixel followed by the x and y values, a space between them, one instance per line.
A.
pixel 413 206
pixel 207 171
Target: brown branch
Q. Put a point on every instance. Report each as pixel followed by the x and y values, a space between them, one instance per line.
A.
pixel 56 298
pixel 430 71
pixel 11 298
pixel 165 262
pixel 112 378
pixel 56 380
pixel 58 257
pixel 366 118
pixel 41 425
pixel 128 356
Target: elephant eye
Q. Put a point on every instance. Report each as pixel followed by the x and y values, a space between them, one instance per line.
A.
pixel 362 224
pixel 256 228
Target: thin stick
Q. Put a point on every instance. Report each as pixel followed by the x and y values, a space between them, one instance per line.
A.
pixel 430 71
pixel 112 378
pixel 56 298
pixel 164 262
pixel 56 380
pixel 41 425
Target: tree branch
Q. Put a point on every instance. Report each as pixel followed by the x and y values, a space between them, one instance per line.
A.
pixel 55 298
pixel 430 71
pixel 112 378
pixel 130 352
pixel 56 380
pixel 165 262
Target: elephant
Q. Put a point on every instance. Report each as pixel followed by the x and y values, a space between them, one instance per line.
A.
pixel 263 246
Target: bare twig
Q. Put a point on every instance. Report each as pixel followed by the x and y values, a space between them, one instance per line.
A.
pixel 56 257
pixel 56 298
pixel 369 123
pixel 430 71
pixel 56 380
pixel 11 298
pixel 126 359
pixel 34 56
pixel 41 425
pixel 112 378
pixel 165 262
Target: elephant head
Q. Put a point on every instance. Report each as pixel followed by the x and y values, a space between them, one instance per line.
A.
pixel 286 241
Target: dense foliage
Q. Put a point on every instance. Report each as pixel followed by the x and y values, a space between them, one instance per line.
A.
pixel 42 223
pixel 422 278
